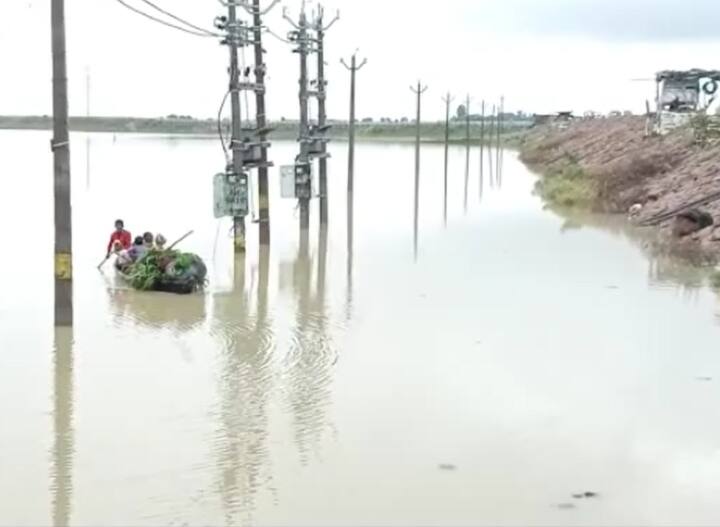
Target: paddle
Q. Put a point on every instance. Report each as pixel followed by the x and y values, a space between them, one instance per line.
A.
pixel 179 240
pixel 103 262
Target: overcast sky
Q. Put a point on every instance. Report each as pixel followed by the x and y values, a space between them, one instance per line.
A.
pixel 543 55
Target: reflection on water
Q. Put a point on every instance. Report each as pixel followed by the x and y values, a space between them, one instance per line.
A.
pixel 308 365
pixel 330 378
pixel 64 435
pixel 245 386
pixel 154 311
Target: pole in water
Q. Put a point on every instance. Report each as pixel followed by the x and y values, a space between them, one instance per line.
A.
pixel 60 145
pixel 353 68
pixel 491 136
pixel 467 150
pixel 418 91
pixel 448 100
pixel 236 136
pixel 482 147
pixel 261 120
pixel 499 128
pixel 322 115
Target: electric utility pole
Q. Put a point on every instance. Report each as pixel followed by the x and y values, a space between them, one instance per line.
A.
pixel 418 91
pixel 448 100
pixel 61 152
pixel 320 30
pixel 235 39
pixel 482 147
pixel 354 68
pixel 261 120
pixel 313 142
pixel 249 146
pixel 467 149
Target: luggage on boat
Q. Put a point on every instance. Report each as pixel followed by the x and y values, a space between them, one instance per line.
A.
pixel 167 271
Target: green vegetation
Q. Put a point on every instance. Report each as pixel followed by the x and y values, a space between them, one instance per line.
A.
pixel 566 184
pixel 401 131
pixel 715 279
pixel 158 267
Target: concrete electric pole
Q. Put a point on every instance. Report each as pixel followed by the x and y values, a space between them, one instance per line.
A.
pixel 448 101
pixel 418 91
pixel 320 30
pixel 249 146
pixel 313 141
pixel 353 68
pixel 61 152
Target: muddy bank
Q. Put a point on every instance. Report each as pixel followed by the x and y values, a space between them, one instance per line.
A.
pixel 608 165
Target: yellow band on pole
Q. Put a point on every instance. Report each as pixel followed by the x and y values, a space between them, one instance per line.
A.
pixel 239 243
pixel 63 266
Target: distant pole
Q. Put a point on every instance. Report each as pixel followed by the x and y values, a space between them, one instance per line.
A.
pixel 482 148
pixel 499 129
pixel 467 149
pixel 263 184
pixel 61 153
pixel 448 100
pixel 353 68
pixel 87 136
pixel 490 143
pixel 418 91
pixel 236 136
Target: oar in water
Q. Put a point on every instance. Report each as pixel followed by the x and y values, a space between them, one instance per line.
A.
pixel 103 263
pixel 179 240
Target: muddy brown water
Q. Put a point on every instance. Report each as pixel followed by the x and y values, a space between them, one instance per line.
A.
pixel 519 359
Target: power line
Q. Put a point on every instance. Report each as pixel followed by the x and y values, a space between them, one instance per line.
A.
pixel 181 20
pixel 168 24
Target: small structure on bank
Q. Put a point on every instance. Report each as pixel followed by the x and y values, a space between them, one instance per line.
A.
pixel 683 95
pixel 559 120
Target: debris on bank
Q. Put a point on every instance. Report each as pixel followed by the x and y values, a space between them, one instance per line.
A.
pixel 669 181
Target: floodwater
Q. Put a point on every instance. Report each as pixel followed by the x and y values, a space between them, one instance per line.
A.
pixel 511 359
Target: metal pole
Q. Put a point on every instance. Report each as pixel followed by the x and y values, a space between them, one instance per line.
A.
pixel 482 148
pixel 236 140
pixel 61 153
pixel 263 185
pixel 448 101
pixel 322 119
pixel 467 149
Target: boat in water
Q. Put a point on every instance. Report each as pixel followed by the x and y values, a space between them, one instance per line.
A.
pixel 167 272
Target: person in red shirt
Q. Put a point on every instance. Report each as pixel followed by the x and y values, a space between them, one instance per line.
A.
pixel 119 235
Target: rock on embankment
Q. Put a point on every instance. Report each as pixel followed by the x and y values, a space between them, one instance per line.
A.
pixel 622 168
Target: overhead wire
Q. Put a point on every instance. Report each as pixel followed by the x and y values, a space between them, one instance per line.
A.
pixel 140 12
pixel 177 18
pixel 219 127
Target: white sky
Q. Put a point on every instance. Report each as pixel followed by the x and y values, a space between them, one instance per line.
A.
pixel 543 55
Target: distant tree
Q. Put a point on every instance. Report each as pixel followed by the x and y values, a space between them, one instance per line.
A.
pixel 404 120
pixel 461 112
pixel 367 120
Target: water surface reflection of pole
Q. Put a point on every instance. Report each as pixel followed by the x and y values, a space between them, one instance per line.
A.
pixel 244 387
pixel 64 434
pixel 418 91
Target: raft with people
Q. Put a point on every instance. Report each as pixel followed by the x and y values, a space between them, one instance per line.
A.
pixel 147 265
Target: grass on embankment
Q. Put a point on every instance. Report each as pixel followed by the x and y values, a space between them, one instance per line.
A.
pixel 565 183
